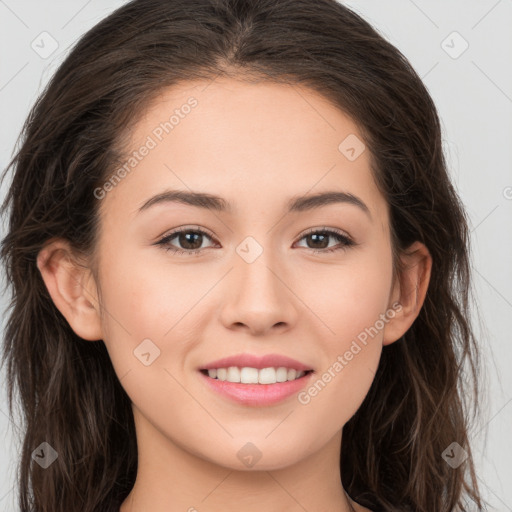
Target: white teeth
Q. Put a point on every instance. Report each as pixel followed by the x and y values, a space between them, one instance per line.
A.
pixel 292 374
pixel 247 375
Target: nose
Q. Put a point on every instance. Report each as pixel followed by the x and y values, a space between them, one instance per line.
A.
pixel 259 297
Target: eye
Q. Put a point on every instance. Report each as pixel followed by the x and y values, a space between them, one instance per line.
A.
pixel 190 239
pixel 320 240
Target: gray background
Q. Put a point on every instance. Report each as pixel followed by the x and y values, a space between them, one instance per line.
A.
pixel 473 92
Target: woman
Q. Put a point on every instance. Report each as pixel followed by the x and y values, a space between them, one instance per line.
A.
pixel 239 270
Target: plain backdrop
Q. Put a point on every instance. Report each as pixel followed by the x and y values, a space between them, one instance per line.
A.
pixel 463 52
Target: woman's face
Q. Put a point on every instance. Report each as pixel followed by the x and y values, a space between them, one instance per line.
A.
pixel 260 283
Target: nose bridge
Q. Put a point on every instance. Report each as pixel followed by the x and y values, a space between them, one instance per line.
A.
pixel 257 283
pixel 261 298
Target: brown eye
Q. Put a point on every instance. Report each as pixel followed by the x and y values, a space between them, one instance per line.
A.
pixel 189 241
pixel 319 240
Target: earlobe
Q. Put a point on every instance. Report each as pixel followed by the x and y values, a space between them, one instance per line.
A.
pixel 409 291
pixel 72 289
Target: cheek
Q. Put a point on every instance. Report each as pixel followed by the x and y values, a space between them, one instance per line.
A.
pixel 147 298
pixel 347 297
pixel 351 358
pixel 147 292
pixel 352 306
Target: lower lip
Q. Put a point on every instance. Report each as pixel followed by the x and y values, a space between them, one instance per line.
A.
pixel 257 394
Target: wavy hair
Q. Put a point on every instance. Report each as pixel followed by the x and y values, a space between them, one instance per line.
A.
pixel 419 403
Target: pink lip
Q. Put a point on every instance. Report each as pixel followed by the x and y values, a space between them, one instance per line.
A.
pixel 248 360
pixel 257 394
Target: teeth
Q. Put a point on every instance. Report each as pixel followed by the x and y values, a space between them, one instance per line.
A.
pixel 248 375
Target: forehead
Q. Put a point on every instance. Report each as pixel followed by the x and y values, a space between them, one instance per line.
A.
pixel 240 140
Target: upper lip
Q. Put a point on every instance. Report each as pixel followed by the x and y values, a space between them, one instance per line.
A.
pixel 253 361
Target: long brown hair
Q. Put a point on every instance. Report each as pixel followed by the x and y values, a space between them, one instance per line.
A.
pixel 419 403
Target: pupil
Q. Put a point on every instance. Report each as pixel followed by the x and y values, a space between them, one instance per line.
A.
pixel 315 235
pixel 185 242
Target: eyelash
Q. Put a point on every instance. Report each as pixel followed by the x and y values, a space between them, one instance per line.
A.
pixel 338 235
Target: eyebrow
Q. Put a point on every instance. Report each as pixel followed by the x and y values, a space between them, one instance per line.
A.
pixel 219 204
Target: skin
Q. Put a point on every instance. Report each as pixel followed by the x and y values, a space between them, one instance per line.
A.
pixel 256 145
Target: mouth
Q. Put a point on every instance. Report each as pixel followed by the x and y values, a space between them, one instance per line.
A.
pixel 255 387
pixel 247 375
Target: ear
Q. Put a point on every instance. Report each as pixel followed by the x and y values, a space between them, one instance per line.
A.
pixel 72 288
pixel 409 291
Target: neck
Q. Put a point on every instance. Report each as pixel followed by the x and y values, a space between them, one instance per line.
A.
pixel 172 478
